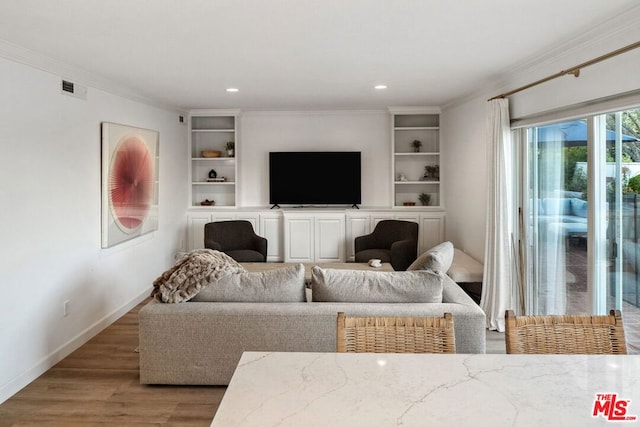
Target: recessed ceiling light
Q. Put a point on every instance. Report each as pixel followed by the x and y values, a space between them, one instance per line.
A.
pixel 232 89
pixel 380 87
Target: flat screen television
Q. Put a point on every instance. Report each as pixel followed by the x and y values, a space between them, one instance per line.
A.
pixel 314 178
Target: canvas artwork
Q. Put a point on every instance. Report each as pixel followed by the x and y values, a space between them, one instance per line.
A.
pixel 129 183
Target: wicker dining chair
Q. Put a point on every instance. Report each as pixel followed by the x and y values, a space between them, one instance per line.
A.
pixel 565 334
pixel 395 334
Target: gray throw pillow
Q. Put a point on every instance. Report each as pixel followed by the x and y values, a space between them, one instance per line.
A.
pixel 332 285
pixel 282 285
pixel 438 258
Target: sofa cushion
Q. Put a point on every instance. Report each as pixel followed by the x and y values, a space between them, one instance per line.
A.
pixel 556 206
pixel 438 258
pixel 465 269
pixel 579 207
pixel 281 285
pixel 332 285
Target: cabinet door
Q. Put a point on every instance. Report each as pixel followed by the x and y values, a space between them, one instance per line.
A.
pixel 252 218
pixel 329 239
pixel 271 229
pixel 407 216
pixel 196 222
pixel 431 232
pixel 376 217
pixel 298 235
pixel 357 225
pixel 230 216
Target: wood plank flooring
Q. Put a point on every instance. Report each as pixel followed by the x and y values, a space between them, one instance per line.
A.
pixel 98 385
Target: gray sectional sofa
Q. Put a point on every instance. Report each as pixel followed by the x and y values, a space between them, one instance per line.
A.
pixel 201 341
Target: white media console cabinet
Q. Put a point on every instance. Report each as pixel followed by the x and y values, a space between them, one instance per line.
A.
pixel 315 235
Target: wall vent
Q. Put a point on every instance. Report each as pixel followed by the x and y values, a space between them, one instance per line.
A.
pixel 67 86
pixel 72 89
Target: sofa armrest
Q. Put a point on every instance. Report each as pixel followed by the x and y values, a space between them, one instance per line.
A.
pixel 260 245
pixel 403 253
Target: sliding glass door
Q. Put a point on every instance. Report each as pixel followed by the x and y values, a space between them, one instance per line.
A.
pixel 622 179
pixel 557 217
pixel 582 215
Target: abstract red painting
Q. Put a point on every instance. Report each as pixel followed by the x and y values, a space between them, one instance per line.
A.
pixel 129 183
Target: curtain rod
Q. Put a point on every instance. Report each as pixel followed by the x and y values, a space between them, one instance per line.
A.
pixel 575 71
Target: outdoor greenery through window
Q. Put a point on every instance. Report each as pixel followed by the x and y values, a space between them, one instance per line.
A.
pixel 574 265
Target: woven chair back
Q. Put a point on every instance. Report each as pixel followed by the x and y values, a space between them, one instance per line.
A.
pixel 565 334
pixel 395 334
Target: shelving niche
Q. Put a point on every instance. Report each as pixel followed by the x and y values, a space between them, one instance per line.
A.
pixel 210 130
pixel 409 174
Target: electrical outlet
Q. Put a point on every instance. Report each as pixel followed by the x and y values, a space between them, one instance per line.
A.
pixel 66 306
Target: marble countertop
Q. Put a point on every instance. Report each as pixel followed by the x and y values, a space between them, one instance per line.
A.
pixel 339 389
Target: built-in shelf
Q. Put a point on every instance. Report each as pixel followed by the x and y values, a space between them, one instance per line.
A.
pixel 409 165
pixel 211 130
pixel 417 154
pixel 408 128
pixel 416 182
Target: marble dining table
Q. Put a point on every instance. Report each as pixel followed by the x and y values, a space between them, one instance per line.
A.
pixel 366 389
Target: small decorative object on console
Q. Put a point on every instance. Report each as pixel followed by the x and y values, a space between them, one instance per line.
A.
pixel 207 202
pixel 376 263
pixel 409 203
pixel 424 199
pixel 416 145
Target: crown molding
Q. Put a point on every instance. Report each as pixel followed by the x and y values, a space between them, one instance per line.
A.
pixel 319 112
pixel 78 75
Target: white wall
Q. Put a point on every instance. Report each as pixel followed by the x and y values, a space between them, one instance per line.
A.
pixel 464 128
pixel 50 219
pixel 364 131
pixel 464 173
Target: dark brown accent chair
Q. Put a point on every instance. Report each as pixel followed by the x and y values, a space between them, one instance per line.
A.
pixel 392 241
pixel 237 239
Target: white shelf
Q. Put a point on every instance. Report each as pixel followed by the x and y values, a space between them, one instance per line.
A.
pixel 408 126
pixel 417 128
pixel 212 130
pixel 416 182
pixel 213 183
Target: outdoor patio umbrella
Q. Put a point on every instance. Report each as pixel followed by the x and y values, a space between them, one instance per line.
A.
pixel 573 133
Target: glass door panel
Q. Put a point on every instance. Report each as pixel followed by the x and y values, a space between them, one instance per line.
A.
pixel 623 209
pixel 582 218
pixel 557 262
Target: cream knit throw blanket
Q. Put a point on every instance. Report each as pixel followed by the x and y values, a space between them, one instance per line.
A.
pixel 192 272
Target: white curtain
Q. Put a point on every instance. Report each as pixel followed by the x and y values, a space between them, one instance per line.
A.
pixel 551 268
pixel 498 269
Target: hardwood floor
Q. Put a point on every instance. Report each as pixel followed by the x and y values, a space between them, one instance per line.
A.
pixel 98 385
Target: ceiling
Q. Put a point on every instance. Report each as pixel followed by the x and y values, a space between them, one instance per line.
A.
pixel 299 54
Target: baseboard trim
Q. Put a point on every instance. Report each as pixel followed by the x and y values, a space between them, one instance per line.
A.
pixel 24 379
